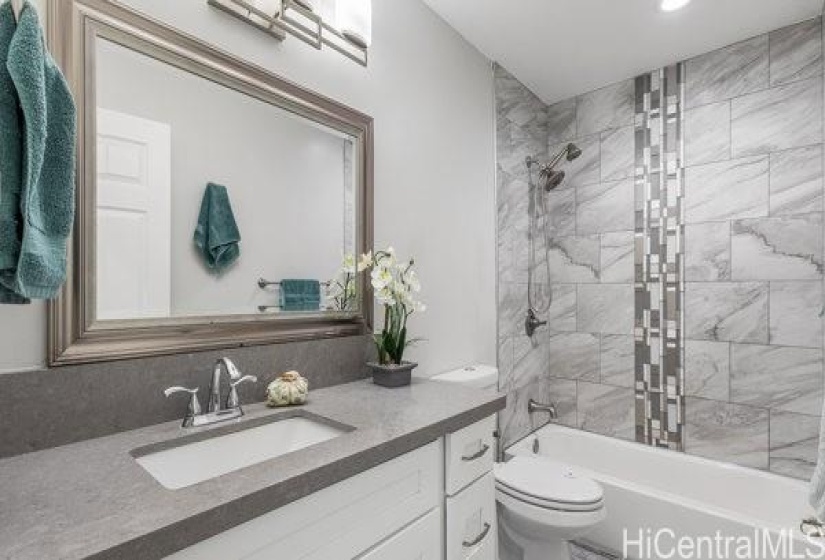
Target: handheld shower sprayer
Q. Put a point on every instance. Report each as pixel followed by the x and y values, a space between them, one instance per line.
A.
pixel 550 178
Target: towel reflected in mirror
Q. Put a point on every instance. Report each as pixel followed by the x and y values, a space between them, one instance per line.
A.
pixel 217 236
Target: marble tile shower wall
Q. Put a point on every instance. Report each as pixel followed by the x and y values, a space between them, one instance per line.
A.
pixel 753 127
pixel 754 250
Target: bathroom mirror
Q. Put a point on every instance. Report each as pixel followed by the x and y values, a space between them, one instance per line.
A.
pixel 217 204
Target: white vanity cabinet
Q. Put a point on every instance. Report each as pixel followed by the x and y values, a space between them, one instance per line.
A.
pixel 400 510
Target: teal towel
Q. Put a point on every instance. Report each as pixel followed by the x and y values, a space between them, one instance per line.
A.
pixel 47 184
pixel 11 162
pixel 217 235
pixel 300 295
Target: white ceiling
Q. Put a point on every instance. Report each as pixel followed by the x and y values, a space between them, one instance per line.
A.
pixel 562 48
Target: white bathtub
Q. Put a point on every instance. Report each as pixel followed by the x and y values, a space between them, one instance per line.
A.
pixel 648 489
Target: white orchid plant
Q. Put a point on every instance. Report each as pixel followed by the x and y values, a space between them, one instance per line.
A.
pixel 396 287
pixel 342 291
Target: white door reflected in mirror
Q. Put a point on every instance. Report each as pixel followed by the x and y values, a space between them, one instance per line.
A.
pixel 133 217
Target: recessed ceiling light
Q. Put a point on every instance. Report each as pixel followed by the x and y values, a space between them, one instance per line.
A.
pixel 672 5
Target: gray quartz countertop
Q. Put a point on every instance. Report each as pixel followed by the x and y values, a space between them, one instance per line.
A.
pixel 92 500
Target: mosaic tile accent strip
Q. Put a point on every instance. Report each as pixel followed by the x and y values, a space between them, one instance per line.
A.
pixel 659 258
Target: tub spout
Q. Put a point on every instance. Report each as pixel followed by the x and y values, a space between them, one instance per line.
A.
pixel 533 406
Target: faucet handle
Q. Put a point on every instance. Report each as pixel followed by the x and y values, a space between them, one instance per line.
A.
pixel 244 379
pixel 194 404
pixel 232 400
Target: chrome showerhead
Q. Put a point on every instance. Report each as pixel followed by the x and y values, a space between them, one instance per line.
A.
pixel 552 178
pixel 573 152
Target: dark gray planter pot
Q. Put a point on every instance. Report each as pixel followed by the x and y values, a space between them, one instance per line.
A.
pixel 392 375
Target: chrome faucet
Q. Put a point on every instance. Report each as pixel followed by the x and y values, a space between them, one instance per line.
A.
pixel 533 406
pixel 215 412
pixel 215 388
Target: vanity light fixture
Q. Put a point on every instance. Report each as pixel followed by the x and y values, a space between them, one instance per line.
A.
pixel 672 5
pixel 355 20
pixel 350 36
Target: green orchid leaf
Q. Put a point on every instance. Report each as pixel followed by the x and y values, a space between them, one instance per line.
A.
pixel 402 343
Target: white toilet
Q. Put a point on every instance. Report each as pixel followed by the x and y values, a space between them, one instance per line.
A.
pixel 542 504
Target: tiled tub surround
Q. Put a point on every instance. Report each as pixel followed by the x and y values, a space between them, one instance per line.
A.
pixel 584 361
pixel 753 255
pixel 754 250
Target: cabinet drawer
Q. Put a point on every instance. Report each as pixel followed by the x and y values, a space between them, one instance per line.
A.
pixel 472 531
pixel 469 454
pixel 341 521
pixel 420 541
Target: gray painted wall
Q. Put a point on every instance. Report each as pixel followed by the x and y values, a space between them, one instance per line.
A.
pixel 754 255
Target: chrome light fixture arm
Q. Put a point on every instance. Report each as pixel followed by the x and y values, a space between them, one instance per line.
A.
pixel 295 19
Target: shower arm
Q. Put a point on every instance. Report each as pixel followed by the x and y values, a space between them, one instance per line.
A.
pixel 553 162
pixel 557 158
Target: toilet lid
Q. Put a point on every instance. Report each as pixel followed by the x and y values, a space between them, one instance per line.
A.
pixel 542 480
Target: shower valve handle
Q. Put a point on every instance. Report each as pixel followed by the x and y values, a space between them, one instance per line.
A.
pixel 532 322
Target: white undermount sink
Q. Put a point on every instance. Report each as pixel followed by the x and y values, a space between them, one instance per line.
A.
pixel 195 462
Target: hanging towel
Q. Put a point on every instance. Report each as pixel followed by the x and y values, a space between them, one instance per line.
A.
pixel 47 184
pixel 816 494
pixel 217 235
pixel 300 295
pixel 11 161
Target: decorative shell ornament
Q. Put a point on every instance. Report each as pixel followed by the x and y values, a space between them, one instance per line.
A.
pixel 289 389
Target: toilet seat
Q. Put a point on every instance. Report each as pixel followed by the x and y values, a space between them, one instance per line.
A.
pixel 549 485
pixel 536 521
pixel 549 504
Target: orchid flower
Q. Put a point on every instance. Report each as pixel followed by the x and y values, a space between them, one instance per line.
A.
pixel 396 284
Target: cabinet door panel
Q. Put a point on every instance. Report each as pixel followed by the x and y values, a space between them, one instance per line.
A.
pixel 338 522
pixel 420 541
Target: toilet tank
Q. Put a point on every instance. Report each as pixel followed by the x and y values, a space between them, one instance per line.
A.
pixel 477 376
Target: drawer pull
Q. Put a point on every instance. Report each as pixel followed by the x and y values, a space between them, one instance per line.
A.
pixel 478 454
pixel 478 539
